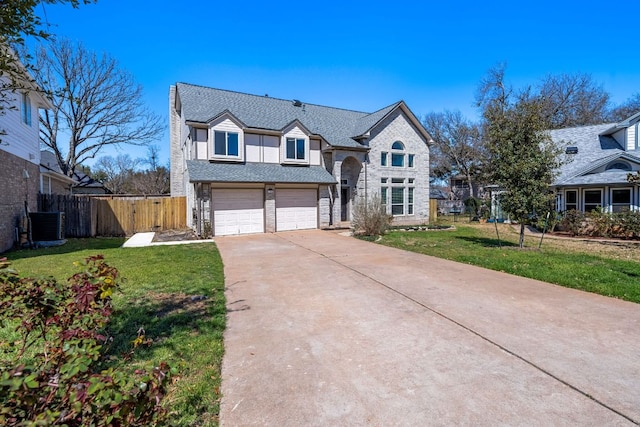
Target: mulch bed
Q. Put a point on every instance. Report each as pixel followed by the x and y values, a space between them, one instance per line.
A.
pixel 175 235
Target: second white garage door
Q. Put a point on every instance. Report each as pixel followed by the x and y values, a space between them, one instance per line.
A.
pixel 296 208
pixel 238 211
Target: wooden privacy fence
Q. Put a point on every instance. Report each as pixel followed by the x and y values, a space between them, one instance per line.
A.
pixel 87 216
pixel 79 213
pixel 124 216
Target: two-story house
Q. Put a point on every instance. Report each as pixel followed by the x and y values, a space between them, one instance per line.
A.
pixel 19 153
pixel 252 164
pixel 599 158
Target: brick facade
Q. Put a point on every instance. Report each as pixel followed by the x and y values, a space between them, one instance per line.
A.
pixel 15 189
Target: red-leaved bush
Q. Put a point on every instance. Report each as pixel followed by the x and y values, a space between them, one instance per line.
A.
pixel 57 374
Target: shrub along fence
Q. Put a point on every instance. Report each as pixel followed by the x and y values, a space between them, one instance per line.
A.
pixel 90 216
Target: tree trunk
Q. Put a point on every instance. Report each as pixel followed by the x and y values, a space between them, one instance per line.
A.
pixel 521 235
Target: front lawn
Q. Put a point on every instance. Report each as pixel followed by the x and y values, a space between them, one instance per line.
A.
pixel 610 269
pixel 175 293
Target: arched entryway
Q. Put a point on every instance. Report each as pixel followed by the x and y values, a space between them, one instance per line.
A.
pixel 349 176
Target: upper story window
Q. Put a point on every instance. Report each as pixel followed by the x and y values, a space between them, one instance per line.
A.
pixel 411 159
pixel 397 157
pixel 26 109
pixel 296 149
pixel 621 166
pixel 226 144
pixel 383 158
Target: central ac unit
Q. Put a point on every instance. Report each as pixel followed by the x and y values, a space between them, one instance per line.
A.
pixel 46 226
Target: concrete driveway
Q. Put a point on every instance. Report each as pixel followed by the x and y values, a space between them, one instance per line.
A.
pixel 324 329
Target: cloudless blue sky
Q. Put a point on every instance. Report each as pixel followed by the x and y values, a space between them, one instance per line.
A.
pixel 359 55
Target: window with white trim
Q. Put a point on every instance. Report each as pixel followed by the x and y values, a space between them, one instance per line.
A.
pixel 411 160
pixel 383 158
pixel 620 199
pixel 619 166
pixel 397 200
pixel 571 200
pixel 46 185
pixel 592 200
pixel 410 200
pixel 226 144
pixel 383 195
pixel 296 149
pixel 397 157
pixel 26 109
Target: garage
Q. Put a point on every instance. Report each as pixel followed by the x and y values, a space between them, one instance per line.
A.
pixel 237 211
pixel 296 208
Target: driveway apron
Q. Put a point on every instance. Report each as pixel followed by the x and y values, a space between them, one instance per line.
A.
pixel 325 329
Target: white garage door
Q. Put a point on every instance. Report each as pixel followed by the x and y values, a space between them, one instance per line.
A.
pixel 296 209
pixel 238 211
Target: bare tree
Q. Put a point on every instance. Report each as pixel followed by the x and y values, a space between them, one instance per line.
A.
pixel 457 147
pixel 125 175
pixel 153 180
pixel 116 172
pixel 625 110
pixel 18 21
pixel 569 100
pixel 96 104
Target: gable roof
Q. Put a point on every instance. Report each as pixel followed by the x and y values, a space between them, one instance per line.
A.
pixel 336 126
pixel 596 148
pixel 630 121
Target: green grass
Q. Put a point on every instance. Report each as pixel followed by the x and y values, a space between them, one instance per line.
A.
pixel 157 296
pixel 588 266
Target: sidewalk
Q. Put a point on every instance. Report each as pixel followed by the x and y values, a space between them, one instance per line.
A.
pixel 140 240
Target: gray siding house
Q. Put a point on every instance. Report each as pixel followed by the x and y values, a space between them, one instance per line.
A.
pixel 599 158
pixel 252 164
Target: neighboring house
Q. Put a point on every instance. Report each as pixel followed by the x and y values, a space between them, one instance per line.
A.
pixel 87 185
pixel 19 155
pixel 52 180
pixel 250 164
pixel 599 159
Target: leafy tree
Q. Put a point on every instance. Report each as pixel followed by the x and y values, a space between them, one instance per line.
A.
pixel 457 147
pixel 96 105
pixel 522 159
pixel 19 19
pixel 569 100
pixel 625 110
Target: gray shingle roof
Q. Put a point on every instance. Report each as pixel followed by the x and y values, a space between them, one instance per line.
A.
pixel 335 125
pixel 594 150
pixel 204 171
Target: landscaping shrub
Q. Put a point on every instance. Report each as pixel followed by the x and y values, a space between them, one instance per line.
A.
pixel 370 217
pixel 57 373
pixel 600 223
pixel 629 223
pixel 573 222
pixel 597 223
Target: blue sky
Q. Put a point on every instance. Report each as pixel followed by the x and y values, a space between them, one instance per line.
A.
pixel 355 54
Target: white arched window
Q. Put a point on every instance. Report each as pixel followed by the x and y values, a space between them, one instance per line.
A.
pixel 397 154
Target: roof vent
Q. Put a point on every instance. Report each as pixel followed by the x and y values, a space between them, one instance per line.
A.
pixel 297 103
pixel 571 150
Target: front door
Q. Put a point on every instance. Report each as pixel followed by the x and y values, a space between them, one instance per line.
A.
pixel 344 204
